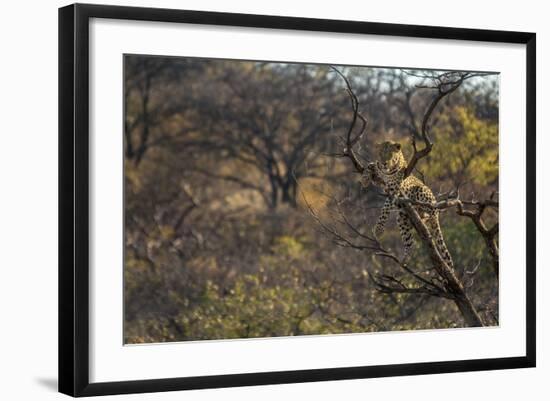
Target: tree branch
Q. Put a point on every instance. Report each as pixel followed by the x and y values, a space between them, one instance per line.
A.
pixel 445 84
pixel 348 141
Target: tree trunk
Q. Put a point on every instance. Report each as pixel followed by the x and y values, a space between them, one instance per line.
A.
pixel 289 193
pixel 452 283
pixel 274 193
pixel 468 310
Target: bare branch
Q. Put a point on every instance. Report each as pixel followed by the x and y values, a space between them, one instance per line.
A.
pixel 348 141
pixel 389 285
pixel 445 84
pixel 337 237
pixel 488 234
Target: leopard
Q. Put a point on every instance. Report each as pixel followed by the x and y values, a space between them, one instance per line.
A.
pixel 388 172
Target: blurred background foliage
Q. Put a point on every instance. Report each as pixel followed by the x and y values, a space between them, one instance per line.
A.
pixel 220 160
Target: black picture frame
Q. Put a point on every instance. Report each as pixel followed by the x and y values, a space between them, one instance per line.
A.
pixel 74 198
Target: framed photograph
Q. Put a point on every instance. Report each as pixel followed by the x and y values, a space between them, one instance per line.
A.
pixel 249 199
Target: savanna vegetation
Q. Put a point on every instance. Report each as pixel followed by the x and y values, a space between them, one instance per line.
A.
pixel 244 212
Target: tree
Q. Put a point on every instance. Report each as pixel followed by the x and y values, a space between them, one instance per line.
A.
pixel 442 280
pixel 150 120
pixel 273 119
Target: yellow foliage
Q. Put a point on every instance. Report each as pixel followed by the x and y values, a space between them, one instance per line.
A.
pixel 287 245
pixel 465 146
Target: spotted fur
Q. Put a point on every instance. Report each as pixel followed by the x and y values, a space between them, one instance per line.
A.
pixel 388 172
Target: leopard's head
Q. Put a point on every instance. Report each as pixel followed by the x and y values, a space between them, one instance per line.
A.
pixel 390 157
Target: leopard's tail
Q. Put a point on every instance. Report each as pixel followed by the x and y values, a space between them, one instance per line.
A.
pixel 435 229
